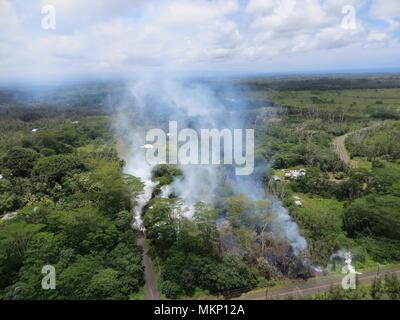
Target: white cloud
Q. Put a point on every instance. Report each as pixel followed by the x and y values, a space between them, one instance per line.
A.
pixel 8 17
pixel 291 16
pixel 260 6
pixel 124 36
pixel 71 12
pixel 385 9
pixel 299 25
pixel 377 36
pixel 184 13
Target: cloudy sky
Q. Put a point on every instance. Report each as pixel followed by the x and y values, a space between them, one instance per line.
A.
pixel 120 37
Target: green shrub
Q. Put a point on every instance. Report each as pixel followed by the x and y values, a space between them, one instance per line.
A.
pixel 54 168
pixel 20 161
pixel 376 216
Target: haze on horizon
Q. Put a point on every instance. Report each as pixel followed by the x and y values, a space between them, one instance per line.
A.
pixel 120 38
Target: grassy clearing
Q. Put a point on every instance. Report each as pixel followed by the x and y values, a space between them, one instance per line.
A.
pixel 320 210
pixel 358 103
pixel 362 163
pixel 321 221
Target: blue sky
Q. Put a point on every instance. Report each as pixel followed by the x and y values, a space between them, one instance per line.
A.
pixel 124 37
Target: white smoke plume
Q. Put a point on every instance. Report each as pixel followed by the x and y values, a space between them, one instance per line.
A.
pixel 197 105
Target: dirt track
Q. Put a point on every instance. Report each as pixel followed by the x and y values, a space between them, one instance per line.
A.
pixel 340 146
pixel 151 281
pixel 341 150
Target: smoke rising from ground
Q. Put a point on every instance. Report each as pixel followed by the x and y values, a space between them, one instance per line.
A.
pixel 197 105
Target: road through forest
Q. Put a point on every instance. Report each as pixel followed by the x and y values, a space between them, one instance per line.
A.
pixel 340 144
pixel 150 287
pixel 341 149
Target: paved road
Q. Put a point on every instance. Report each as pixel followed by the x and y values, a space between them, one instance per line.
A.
pixel 313 286
pixel 151 281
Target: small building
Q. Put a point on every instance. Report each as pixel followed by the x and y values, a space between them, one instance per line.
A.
pixel 35 130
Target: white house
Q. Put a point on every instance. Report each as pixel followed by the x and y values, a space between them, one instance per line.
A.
pixel 295 174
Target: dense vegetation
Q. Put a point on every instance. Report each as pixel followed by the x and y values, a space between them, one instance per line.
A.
pixel 64 200
pixel 301 83
pixel 190 251
pixel 380 141
pixel 342 207
pixel 74 212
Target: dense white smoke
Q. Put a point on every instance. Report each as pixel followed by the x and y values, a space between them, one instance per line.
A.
pixel 197 105
pixel 130 144
pixel 284 225
pixel 199 183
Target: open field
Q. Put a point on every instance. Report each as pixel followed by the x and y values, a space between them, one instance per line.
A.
pixel 356 103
